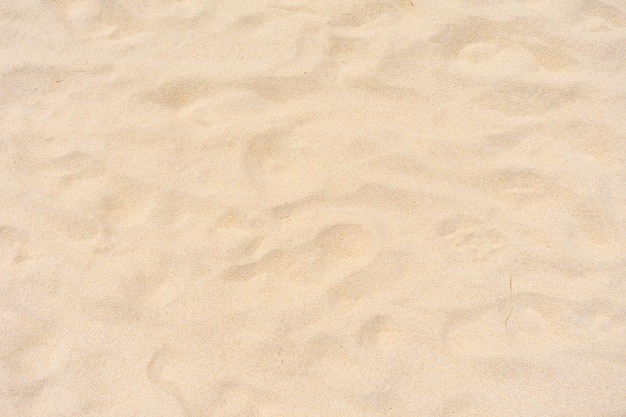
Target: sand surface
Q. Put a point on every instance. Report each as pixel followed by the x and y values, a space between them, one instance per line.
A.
pixel 298 208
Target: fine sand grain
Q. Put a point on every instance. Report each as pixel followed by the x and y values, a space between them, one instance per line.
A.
pixel 289 208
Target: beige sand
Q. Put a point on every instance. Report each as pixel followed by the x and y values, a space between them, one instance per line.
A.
pixel 313 208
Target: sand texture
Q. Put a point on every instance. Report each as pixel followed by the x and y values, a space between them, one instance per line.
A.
pixel 290 208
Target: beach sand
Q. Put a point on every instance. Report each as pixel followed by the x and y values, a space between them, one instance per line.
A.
pixel 297 208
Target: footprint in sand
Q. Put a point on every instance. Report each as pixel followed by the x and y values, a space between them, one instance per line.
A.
pixel 161 372
pixel 525 323
pixel 478 40
pixel 345 240
pixel 13 244
pixel 31 356
pixel 471 237
pixel 601 10
pixel 232 106
pixel 155 9
pixel 185 381
pixel 276 262
pixel 114 201
pixel 378 332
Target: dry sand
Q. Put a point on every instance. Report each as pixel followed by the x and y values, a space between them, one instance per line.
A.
pixel 313 208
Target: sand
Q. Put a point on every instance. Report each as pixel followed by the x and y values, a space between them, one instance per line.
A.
pixel 312 208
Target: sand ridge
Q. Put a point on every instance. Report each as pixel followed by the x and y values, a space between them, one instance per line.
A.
pixel 291 208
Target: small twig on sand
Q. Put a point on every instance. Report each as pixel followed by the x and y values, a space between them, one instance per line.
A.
pixel 506 321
